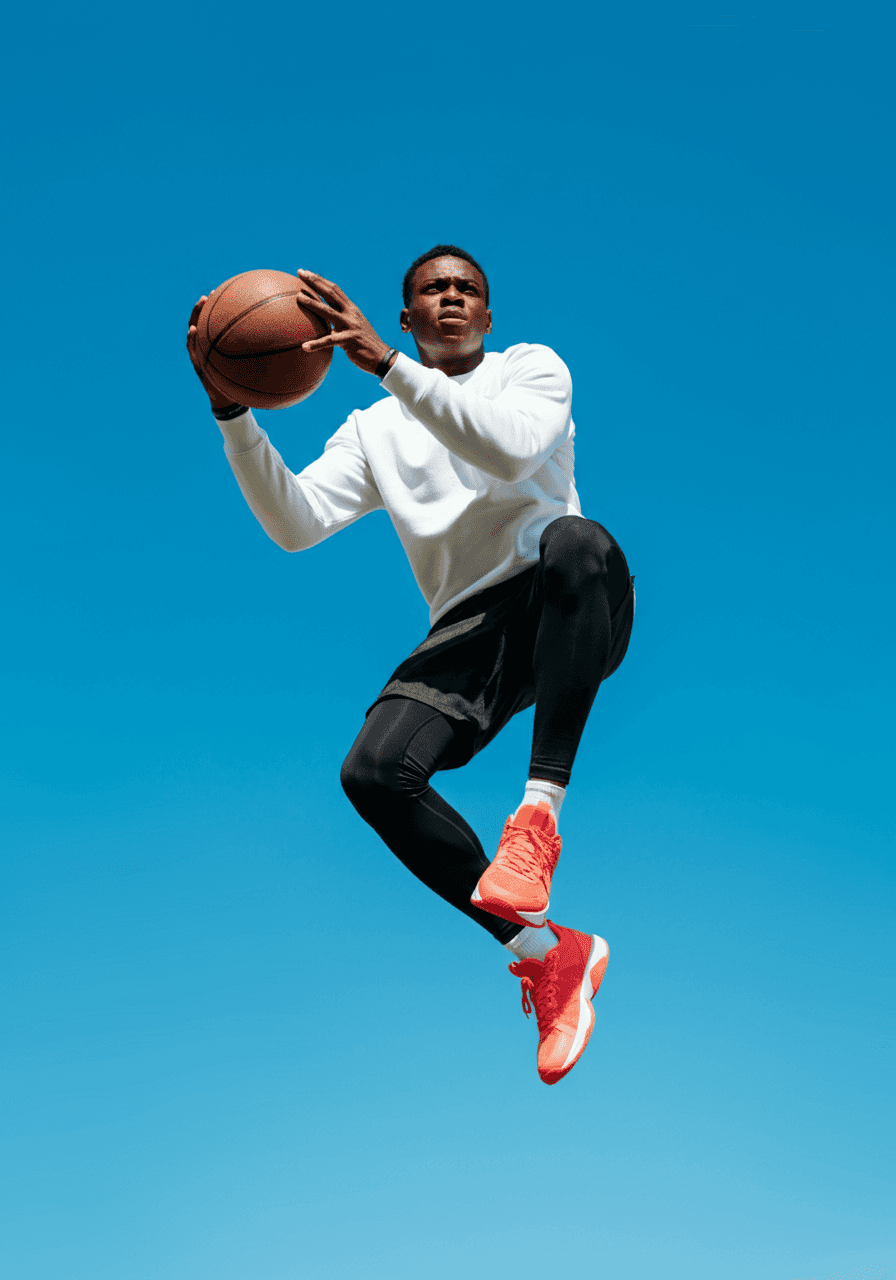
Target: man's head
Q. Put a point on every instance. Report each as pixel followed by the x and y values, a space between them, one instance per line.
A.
pixel 446 308
pixel 439 251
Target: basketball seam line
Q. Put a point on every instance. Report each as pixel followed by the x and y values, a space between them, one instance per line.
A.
pixel 259 355
pixel 208 318
pixel 273 298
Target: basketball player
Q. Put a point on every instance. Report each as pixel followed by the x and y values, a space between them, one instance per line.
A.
pixel 471 454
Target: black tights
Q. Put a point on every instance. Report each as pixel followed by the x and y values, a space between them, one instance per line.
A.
pixel 404 742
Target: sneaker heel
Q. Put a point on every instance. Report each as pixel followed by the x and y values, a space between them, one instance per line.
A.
pixel 535 919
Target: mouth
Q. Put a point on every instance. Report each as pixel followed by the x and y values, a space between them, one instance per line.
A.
pixel 452 315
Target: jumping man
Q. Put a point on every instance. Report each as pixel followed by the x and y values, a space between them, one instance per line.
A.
pixel 471 455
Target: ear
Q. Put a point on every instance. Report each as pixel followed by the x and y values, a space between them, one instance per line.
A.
pixel 404 320
pixel 488 322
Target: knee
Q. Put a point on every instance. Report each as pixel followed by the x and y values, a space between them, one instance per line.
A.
pixel 574 554
pixel 366 778
pixel 358 776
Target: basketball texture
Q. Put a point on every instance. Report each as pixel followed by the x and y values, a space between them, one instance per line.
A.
pixel 249 339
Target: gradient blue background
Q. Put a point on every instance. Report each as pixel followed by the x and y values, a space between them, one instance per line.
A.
pixel 241 1042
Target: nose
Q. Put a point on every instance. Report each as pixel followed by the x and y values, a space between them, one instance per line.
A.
pixel 452 297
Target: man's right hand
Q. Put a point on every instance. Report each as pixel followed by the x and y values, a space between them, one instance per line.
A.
pixel 218 399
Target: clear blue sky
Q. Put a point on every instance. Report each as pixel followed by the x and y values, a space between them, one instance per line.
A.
pixel 240 1041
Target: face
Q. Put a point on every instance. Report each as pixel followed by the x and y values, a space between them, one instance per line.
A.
pixel 447 315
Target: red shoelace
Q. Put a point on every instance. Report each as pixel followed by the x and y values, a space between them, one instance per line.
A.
pixel 518 853
pixel 544 993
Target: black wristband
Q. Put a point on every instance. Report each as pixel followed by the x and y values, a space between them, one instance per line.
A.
pixel 229 411
pixel 383 367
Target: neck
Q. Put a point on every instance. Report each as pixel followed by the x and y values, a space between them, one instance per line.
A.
pixel 449 364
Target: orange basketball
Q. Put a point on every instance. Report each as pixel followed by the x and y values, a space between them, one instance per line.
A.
pixel 249 339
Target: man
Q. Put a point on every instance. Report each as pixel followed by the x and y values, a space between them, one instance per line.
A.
pixel 471 454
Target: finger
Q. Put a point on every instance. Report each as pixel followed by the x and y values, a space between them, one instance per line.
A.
pixel 194 314
pixel 312 275
pixel 326 288
pixel 335 339
pixel 319 308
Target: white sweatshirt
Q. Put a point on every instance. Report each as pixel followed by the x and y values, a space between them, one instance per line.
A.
pixel 471 470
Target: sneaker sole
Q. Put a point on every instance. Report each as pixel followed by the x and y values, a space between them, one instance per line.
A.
pixel 535 919
pixel 591 980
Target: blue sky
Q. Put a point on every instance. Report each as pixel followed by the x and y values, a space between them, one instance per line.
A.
pixel 240 1040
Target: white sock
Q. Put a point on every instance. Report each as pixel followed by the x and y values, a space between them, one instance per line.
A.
pixel 532 944
pixel 537 790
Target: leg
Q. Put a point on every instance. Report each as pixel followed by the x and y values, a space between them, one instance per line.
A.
pixel 386 777
pixel 585 579
pixel 581 632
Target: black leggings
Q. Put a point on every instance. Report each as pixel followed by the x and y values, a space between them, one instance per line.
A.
pixel 404 742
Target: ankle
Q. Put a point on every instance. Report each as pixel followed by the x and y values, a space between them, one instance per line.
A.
pixel 532 944
pixel 538 789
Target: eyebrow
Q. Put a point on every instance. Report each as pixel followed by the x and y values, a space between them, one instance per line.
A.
pixel 447 279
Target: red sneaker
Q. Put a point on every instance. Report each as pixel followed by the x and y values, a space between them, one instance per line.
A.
pixel 562 987
pixel 517 884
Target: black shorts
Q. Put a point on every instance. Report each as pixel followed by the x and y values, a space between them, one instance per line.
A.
pixel 476 663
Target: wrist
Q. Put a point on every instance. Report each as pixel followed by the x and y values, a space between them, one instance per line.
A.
pixel 386 363
pixel 217 399
pixel 227 411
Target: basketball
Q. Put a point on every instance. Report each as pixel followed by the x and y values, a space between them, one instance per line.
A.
pixel 249 340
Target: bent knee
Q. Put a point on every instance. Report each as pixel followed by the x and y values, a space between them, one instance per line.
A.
pixel 349 775
pixel 575 552
pixel 358 775
pixel 365 777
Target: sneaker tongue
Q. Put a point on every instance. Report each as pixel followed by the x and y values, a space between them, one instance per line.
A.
pixel 531 815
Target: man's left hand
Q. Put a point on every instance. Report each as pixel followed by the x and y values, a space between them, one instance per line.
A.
pixel 351 329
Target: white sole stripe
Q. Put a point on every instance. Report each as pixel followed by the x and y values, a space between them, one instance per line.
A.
pixel 534 917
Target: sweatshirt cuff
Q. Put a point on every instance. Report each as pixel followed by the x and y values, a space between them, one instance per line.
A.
pixel 240 434
pixel 407 380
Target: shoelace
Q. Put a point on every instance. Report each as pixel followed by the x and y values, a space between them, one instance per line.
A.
pixel 544 994
pixel 518 854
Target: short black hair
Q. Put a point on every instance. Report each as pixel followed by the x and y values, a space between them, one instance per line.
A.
pixel 439 251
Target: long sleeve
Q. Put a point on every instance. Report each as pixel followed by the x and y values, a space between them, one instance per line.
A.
pixel 509 436
pixel 298 511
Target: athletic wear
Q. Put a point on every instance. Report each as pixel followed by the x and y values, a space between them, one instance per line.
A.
pixel 529 601
pixel 524 644
pixel 549 637
pixel 480 677
pixel 537 790
pixel 517 885
pixel 561 988
pixel 471 470
pixel 386 777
